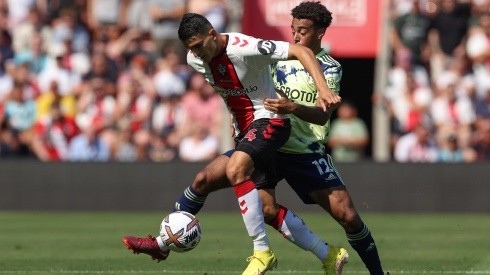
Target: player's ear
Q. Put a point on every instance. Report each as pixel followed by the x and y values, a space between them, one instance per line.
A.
pixel 213 33
pixel 321 33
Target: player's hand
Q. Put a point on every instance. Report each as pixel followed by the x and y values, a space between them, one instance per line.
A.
pixel 282 105
pixel 328 99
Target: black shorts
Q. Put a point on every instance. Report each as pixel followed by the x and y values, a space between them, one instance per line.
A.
pixel 261 141
pixel 306 173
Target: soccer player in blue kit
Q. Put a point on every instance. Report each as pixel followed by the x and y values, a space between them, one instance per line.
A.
pixel 302 161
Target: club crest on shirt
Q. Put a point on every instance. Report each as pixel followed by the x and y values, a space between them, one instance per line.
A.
pixel 222 69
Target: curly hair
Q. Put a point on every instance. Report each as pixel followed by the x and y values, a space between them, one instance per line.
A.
pixel 314 11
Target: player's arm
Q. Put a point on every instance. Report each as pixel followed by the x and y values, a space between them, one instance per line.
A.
pixel 311 114
pixel 307 58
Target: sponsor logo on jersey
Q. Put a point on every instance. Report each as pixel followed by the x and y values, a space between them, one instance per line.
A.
pixel 295 94
pixel 231 92
pixel 266 47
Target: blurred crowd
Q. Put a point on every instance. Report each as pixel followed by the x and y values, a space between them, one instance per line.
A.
pixel 438 94
pixel 105 80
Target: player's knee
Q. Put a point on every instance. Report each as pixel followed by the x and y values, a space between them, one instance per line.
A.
pixel 200 183
pixel 235 174
pixel 270 212
pixel 349 219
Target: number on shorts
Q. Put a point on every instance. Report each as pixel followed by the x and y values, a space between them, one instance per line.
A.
pixel 319 165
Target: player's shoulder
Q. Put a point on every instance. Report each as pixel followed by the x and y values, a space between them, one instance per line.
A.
pixel 240 40
pixel 327 60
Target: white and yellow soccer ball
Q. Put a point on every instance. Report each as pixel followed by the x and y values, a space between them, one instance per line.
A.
pixel 180 231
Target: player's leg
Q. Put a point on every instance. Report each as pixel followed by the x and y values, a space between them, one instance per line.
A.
pixel 256 151
pixel 210 179
pixel 290 225
pixel 306 173
pixel 338 203
pixel 239 171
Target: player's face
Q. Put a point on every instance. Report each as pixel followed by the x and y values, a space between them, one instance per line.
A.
pixel 305 33
pixel 203 46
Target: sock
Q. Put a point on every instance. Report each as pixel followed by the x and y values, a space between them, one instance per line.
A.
pixel 251 208
pixel 190 201
pixel 295 230
pixel 363 243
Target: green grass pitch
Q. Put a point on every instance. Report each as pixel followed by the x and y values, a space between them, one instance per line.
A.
pixel 90 243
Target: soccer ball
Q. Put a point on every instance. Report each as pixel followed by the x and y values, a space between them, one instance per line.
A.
pixel 180 231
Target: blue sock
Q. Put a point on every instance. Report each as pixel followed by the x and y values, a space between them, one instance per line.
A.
pixel 190 201
pixel 363 243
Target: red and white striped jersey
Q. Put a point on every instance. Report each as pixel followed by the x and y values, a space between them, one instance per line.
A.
pixel 242 76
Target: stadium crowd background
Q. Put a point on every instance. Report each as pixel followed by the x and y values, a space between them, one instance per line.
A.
pixel 106 80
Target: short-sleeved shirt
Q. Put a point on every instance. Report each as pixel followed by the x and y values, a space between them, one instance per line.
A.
pixel 241 75
pixel 293 79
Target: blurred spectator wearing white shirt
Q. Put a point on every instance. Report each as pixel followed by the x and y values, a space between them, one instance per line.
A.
pixel 199 145
pixel 450 111
pixel 416 146
pixel 478 49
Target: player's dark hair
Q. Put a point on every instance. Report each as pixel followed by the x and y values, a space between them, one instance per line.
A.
pixel 314 11
pixel 193 24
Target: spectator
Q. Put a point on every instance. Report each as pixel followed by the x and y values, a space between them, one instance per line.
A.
pixel 23 33
pixel 199 145
pixel 125 150
pixel 160 150
pixel 214 10
pixel 134 103
pixel 482 108
pixel 65 103
pixel 202 106
pixel 449 110
pixel 165 16
pixel 478 48
pixel 408 108
pixel 20 112
pixel 56 70
pixel 67 29
pixel 53 133
pixel 481 140
pixel 447 35
pixel 167 80
pixel 410 31
pixel 397 75
pixel 88 146
pixel 105 68
pixel 35 56
pixel 19 11
pixel 23 77
pixel 96 109
pixel 349 135
pixel 106 12
pixel 416 146
pixel 138 15
pixel 449 150
pixel 12 144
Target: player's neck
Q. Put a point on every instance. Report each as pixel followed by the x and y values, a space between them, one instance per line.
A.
pixel 220 44
pixel 316 49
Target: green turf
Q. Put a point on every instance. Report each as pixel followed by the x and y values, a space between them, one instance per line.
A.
pixel 90 243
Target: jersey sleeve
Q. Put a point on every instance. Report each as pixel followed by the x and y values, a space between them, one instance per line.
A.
pixel 259 53
pixel 333 76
